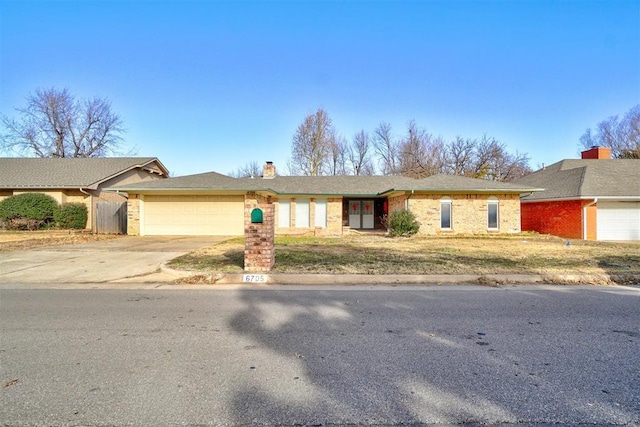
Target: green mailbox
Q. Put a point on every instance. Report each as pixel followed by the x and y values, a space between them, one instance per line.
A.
pixel 256 216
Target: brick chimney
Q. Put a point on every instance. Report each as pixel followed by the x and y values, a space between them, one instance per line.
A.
pixel 596 152
pixel 269 171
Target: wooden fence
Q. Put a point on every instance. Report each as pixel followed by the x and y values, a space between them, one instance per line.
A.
pixel 111 218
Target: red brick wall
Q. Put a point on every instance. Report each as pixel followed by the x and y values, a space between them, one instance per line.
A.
pixel 562 219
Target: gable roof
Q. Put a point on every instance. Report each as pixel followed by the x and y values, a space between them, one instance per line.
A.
pixel 344 185
pixel 585 179
pixel 67 172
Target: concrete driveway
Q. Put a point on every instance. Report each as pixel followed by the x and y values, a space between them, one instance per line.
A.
pixel 131 257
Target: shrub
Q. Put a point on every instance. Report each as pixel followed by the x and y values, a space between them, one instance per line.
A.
pixel 28 211
pixel 71 216
pixel 402 223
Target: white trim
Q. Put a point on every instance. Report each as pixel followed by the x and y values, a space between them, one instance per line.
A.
pixel 564 199
pixel 496 202
pixel 447 201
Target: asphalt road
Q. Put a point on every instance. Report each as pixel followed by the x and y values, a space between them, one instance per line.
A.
pixel 331 356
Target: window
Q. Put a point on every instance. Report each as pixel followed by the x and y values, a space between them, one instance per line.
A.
pixel 321 213
pixel 302 213
pixel 492 214
pixel 284 213
pixel 445 214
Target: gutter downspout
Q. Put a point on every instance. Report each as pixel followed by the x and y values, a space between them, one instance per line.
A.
pixel 407 203
pixel 584 218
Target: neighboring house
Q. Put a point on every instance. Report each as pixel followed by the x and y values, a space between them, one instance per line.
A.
pixel 77 179
pixel 592 198
pixel 214 204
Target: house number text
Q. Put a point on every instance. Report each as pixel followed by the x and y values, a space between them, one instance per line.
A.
pixel 254 278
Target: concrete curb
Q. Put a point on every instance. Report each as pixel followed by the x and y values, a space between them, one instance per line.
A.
pixel 406 279
pixel 178 274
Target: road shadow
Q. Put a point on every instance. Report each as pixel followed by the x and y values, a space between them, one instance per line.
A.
pixel 409 357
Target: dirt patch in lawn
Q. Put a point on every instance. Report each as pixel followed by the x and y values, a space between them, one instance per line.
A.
pixel 21 240
pixel 521 254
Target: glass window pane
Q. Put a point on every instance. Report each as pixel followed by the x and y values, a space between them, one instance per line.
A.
pixel 492 215
pixel 321 213
pixel 445 215
pixel 355 207
pixel 302 213
pixel 284 213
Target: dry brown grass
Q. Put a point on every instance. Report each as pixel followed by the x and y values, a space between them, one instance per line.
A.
pixel 21 240
pixel 522 254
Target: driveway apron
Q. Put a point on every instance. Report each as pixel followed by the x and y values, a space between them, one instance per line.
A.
pixel 97 262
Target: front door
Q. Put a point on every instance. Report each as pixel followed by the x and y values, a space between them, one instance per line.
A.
pixel 355 214
pixel 367 214
pixel 361 215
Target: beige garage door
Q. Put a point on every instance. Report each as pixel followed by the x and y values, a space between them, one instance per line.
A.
pixel 193 215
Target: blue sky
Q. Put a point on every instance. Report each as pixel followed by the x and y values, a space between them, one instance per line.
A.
pixel 212 85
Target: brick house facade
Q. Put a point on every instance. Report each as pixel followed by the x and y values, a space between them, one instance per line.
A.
pixel 468 212
pixel 591 198
pixel 326 205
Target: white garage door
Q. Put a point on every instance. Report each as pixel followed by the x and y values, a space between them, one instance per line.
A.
pixel 193 215
pixel 618 221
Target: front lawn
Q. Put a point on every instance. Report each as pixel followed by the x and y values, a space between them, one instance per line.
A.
pixel 521 254
pixel 12 240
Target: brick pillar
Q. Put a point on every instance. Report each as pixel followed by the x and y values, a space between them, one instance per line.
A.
pixel 259 253
pixel 133 215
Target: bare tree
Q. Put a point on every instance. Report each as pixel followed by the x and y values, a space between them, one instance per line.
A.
pixel 317 150
pixel 359 154
pixel 493 162
pixel 487 150
pixel 56 124
pixel 460 156
pixel 337 161
pixel 251 169
pixel 386 149
pixel 622 136
pixel 420 154
pixel 511 166
pixel 311 144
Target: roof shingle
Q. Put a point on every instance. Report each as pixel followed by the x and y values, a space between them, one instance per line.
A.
pixel 64 172
pixel 586 178
pixel 327 185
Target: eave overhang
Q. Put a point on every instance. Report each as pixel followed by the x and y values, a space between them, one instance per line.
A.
pixel 566 199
